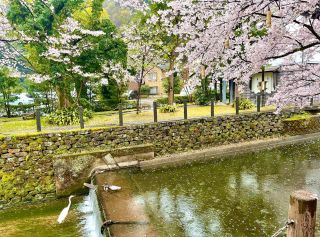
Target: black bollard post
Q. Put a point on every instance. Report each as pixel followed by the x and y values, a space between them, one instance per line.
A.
pixel 258 103
pixel 81 117
pixel 311 101
pixel 120 115
pixel 155 112
pixel 237 105
pixel 185 109
pixel 38 120
pixel 212 107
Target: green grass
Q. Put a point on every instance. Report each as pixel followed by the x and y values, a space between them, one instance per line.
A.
pixel 299 117
pixel 106 119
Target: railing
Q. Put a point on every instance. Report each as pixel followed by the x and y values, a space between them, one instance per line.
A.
pixel 126 117
pixel 155 113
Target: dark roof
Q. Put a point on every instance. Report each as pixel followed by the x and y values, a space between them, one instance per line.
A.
pixel 271 69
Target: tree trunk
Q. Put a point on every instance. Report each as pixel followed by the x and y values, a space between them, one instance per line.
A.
pixel 185 78
pixel 63 98
pixel 6 98
pixel 171 83
pixel 81 90
pixel 8 110
pixel 140 81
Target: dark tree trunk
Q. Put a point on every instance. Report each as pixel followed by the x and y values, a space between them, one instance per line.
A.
pixel 140 81
pixel 171 83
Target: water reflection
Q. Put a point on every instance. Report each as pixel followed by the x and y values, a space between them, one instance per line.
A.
pixel 246 196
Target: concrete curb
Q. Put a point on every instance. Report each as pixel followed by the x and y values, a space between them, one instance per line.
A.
pixel 225 151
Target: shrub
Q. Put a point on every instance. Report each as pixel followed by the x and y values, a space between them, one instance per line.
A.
pixel 162 101
pixel 100 106
pixel 177 84
pixel 22 108
pixel 301 116
pixel 245 104
pixel 167 109
pixel 145 90
pixel 177 100
pixel 181 99
pixel 68 116
pixel 203 94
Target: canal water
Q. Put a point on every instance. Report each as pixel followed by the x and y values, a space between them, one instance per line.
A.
pixel 243 196
pixel 83 219
pixel 240 196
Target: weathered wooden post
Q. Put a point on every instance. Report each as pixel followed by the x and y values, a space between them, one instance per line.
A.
pixel 237 105
pixel 120 115
pixel 311 101
pixel 212 107
pixel 155 112
pixel 81 117
pixel 38 120
pixel 302 211
pixel 185 109
pixel 259 103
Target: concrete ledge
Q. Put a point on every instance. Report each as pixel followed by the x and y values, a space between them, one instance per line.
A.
pixel 115 152
pixel 225 151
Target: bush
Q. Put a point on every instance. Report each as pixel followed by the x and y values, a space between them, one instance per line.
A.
pixel 203 94
pixel 145 90
pixel 181 99
pixel 162 101
pixel 101 106
pixel 177 100
pixel 167 109
pixel 22 108
pixel 68 116
pixel 177 84
pixel 245 104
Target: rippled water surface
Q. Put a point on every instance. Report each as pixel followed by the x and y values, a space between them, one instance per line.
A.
pixel 243 196
pixel 240 196
pixel 40 221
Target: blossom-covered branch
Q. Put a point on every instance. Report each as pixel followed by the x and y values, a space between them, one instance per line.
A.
pixel 236 38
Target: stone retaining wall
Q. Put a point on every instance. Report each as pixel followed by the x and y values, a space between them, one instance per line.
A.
pixel 26 163
pixel 302 126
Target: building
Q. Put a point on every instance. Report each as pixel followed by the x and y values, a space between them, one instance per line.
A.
pixel 153 79
pixel 271 80
pixel 266 84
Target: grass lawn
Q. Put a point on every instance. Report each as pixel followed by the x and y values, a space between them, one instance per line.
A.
pixel 101 119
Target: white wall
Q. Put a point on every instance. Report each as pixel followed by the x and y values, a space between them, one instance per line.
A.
pixel 270 82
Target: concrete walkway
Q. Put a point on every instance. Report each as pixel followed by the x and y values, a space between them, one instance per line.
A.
pixel 128 215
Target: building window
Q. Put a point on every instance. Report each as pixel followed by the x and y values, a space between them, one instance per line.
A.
pixel 154 90
pixel 152 76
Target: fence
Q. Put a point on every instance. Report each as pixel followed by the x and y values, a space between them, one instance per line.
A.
pixel 122 117
pixel 155 113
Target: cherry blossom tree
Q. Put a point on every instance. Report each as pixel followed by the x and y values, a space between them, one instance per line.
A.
pixel 46 37
pixel 236 38
pixel 143 53
pixel 167 43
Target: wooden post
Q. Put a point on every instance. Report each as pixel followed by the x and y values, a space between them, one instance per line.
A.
pixel 185 106
pixel 237 105
pixel 81 117
pixel 120 115
pixel 302 211
pixel 212 107
pixel 38 120
pixel 231 91
pixel 262 86
pixel 258 103
pixel 155 112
